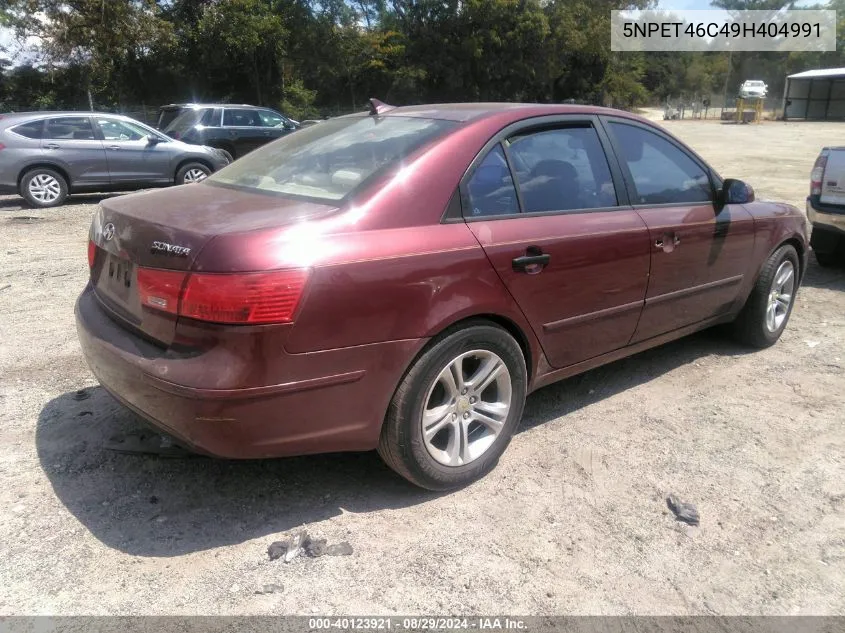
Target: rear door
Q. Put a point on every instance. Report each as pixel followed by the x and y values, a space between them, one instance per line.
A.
pixel 71 142
pixel 244 128
pixel 131 157
pixel 551 213
pixel 699 253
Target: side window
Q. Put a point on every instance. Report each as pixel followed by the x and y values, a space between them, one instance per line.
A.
pixel 29 130
pixel 69 128
pixel 562 169
pixel 271 119
pixel 114 130
pixel 240 118
pixel 661 171
pixel 490 189
pixel 208 117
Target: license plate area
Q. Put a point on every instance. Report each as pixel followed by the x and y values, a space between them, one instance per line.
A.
pixel 119 277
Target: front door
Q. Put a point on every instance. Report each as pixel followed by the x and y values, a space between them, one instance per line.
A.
pixel 132 158
pixel 699 253
pixel 70 141
pixel 543 205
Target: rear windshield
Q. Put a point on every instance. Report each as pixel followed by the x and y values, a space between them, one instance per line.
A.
pixel 331 160
pixel 187 119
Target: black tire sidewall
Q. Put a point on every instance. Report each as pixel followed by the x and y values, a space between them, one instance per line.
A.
pixel 425 469
pixel 24 188
pixel 180 175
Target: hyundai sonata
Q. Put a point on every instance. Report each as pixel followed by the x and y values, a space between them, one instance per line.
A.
pixel 402 279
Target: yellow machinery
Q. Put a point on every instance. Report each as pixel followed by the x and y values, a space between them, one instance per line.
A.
pixel 756 110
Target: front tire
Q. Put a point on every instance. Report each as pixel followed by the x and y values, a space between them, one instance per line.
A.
pixel 192 172
pixel 43 188
pixel 767 311
pixel 455 411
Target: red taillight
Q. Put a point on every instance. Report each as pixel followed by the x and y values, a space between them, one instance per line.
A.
pixel 817 175
pixel 269 297
pixel 161 289
pixel 92 253
pixel 246 298
pixel 1 144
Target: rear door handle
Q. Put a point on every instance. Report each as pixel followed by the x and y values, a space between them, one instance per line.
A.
pixel 668 242
pixel 51 145
pixel 114 146
pixel 532 262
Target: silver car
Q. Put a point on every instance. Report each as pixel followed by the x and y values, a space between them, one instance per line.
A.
pixel 45 156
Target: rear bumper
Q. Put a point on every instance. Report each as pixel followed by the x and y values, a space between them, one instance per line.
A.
pixel 828 225
pixel 328 401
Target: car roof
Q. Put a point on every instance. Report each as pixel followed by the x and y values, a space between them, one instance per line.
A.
pixel 474 111
pixel 174 106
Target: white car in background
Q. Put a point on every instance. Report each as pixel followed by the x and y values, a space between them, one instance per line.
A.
pixel 753 89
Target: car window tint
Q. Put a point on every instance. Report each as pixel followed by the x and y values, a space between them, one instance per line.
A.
pixel 241 118
pixel 562 169
pixel 69 128
pixel 208 117
pixel 271 119
pixel 661 171
pixel 114 130
pixel 29 130
pixel 490 189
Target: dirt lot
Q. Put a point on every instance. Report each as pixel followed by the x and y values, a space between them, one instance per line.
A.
pixel 572 521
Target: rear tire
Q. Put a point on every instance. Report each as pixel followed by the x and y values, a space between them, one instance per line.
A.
pixel 769 306
pixel 458 448
pixel 192 172
pixel 43 188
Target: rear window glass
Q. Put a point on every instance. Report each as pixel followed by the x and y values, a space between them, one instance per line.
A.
pixel 29 130
pixel 76 128
pixel 331 160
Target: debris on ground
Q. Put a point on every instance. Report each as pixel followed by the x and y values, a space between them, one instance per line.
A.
pixel 277 549
pixel 271 588
pixel 314 547
pixel 301 542
pixel 811 344
pixel 81 394
pixel 685 512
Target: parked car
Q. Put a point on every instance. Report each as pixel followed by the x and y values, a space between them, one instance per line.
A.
pixel 233 128
pixel 826 207
pixel 402 280
pixel 753 89
pixel 46 156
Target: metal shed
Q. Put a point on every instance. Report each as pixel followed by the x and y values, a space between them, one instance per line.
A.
pixel 815 94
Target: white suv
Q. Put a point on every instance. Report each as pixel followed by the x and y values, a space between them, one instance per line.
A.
pixel 753 89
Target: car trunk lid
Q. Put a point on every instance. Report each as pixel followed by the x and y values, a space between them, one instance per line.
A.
pixel 166 230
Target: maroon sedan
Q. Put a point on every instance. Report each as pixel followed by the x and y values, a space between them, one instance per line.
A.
pixel 401 280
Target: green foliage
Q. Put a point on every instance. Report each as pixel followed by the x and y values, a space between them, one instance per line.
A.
pixel 311 57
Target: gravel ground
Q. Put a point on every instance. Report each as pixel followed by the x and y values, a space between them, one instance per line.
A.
pixel 573 520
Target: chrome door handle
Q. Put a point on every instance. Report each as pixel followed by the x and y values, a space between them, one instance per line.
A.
pixel 114 147
pixel 51 146
pixel 668 242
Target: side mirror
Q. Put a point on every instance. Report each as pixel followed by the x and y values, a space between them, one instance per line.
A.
pixel 153 140
pixel 736 192
pixel 289 125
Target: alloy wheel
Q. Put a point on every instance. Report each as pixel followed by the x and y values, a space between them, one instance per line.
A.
pixel 194 175
pixel 466 408
pixel 780 296
pixel 44 188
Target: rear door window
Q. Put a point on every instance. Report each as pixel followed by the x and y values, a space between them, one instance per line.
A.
pixel 490 188
pixel 29 130
pixel 562 169
pixel 237 117
pixel 662 173
pixel 76 128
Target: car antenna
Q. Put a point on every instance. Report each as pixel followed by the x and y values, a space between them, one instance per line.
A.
pixel 378 107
